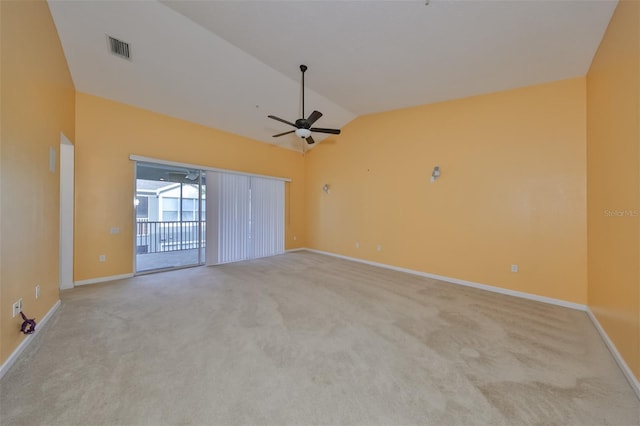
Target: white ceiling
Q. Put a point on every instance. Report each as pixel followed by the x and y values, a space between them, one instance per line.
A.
pixel 228 64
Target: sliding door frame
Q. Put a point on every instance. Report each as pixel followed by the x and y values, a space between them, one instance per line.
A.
pixel 201 167
pixel 176 231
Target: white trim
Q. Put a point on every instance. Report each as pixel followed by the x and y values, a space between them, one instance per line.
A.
pixel 297 249
pixel 25 342
pixel 486 287
pixel 200 167
pixel 103 279
pixel 67 155
pixel 134 218
pixel 631 378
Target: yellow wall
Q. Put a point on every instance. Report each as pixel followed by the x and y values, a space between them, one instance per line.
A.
pixel 613 164
pixel 512 189
pixel 108 132
pixel 37 104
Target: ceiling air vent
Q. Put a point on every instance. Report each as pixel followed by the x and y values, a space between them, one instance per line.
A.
pixel 119 48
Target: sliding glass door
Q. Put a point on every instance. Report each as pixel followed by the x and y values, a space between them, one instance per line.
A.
pixel 174 204
pixel 170 223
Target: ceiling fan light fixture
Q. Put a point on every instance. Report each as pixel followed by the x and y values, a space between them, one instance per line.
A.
pixel 303 133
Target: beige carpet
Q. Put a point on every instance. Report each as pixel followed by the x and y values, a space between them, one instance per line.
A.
pixel 304 339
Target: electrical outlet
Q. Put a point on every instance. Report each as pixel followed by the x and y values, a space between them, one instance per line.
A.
pixel 514 268
pixel 295 238
pixel 37 292
pixel 357 245
pixel 102 258
pixel 16 308
pixel 379 248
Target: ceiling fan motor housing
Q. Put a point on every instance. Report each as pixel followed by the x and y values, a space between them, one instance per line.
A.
pixel 302 123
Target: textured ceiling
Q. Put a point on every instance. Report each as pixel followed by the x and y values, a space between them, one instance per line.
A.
pixel 228 64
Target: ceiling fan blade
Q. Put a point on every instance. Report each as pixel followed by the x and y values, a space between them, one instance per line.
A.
pixel 273 117
pixel 321 130
pixel 284 133
pixel 315 115
pixel 310 140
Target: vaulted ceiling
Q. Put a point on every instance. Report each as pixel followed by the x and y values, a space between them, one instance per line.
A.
pixel 229 64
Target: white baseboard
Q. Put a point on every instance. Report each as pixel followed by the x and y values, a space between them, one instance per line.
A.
pixel 486 287
pixel 631 378
pixel 25 342
pixel 103 279
pixel 296 249
pixel 66 286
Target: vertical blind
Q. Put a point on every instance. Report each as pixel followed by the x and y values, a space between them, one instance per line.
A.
pixel 233 226
pixel 267 217
pixel 246 217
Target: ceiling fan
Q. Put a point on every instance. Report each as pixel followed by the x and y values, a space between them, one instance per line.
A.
pixel 303 125
pixel 186 176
